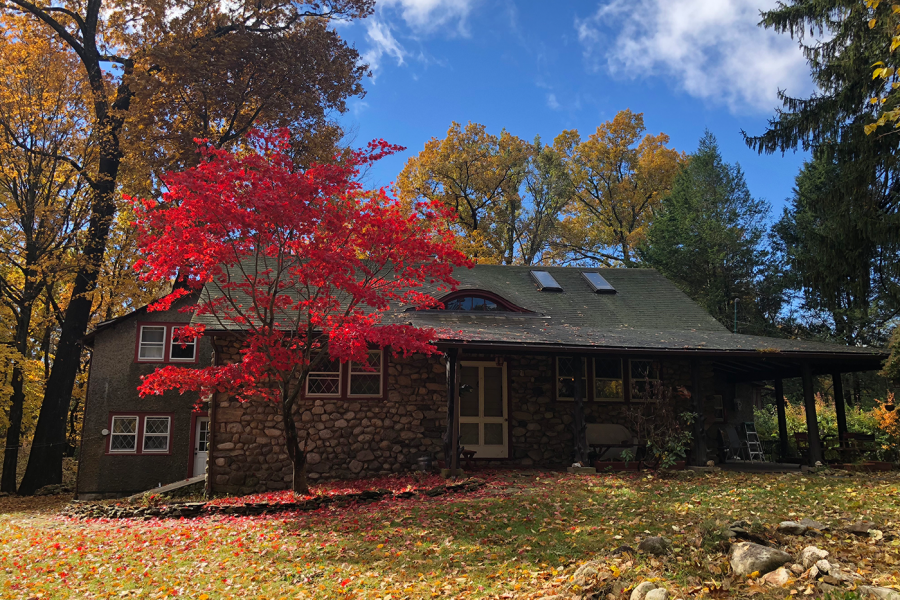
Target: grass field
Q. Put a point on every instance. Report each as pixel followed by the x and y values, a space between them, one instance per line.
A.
pixel 520 536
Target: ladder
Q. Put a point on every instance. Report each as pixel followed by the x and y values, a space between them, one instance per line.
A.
pixel 752 443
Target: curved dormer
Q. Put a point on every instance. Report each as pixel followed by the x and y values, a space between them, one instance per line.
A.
pixel 478 302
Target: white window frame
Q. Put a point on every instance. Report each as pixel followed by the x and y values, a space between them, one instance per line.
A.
pixel 173 343
pixel 620 380
pixel 379 372
pixel 167 435
pixel 587 381
pixel 162 345
pixel 113 435
pixel 330 375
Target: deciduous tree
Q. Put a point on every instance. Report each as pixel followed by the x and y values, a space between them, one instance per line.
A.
pixel 159 73
pixel 301 263
pixel 619 180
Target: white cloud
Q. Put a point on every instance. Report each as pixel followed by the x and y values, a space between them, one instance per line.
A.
pixel 378 33
pixel 552 102
pixel 713 49
pixel 427 15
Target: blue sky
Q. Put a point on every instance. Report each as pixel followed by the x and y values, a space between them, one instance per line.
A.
pixel 538 68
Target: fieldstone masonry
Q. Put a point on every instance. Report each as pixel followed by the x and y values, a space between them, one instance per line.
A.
pixel 368 438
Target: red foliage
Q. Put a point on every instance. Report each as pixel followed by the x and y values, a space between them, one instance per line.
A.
pixel 303 262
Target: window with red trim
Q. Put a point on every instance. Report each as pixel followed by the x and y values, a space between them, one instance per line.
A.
pixel 160 343
pixel 138 433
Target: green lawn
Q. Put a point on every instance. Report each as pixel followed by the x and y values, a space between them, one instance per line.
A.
pixel 520 536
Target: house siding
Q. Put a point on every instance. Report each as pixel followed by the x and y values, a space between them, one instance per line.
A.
pixel 112 388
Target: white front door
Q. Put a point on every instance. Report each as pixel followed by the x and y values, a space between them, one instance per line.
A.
pixel 483 422
pixel 201 445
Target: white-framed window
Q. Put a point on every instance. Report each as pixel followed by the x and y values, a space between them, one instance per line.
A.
pixel 565 378
pixel 365 379
pixel 182 351
pixel 325 380
pixel 644 377
pixel 156 434
pixel 152 345
pixel 608 379
pixel 123 434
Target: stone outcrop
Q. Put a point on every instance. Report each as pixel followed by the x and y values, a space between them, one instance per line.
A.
pixel 748 558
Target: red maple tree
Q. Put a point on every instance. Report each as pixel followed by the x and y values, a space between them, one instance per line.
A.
pixel 299 264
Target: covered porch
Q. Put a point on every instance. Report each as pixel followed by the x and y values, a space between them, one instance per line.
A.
pixel 520 405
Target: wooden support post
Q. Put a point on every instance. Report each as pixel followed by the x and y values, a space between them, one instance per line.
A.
pixel 783 448
pixel 839 406
pixel 812 425
pixel 578 424
pixel 699 456
pixel 451 437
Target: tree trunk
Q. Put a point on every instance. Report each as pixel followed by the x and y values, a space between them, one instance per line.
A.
pixel 45 461
pixel 299 484
pixel 8 480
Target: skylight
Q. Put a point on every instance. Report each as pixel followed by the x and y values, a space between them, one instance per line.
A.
pixel 598 283
pixel 545 281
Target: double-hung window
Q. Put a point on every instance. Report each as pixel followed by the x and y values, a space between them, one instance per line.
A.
pixel 352 379
pixel 325 380
pixel 644 379
pixel 140 434
pixel 162 343
pixel 156 434
pixel 365 379
pixel 124 434
pixel 566 368
pixel 608 379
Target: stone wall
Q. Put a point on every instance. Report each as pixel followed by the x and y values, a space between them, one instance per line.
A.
pixel 366 438
pixel 344 438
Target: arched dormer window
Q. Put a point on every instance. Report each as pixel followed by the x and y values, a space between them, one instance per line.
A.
pixel 478 301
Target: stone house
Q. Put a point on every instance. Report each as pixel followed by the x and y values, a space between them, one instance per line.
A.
pixel 510 339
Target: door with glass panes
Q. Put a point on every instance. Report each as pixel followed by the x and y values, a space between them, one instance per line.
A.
pixel 483 422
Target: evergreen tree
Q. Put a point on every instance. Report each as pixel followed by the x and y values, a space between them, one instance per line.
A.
pixel 841 233
pixel 709 238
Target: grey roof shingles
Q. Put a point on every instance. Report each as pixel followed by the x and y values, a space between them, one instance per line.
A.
pixel 647 312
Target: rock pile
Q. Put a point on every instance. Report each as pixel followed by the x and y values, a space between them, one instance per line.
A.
pixel 187 510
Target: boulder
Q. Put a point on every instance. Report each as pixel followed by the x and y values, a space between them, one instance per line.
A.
pixel 640 591
pixel 861 527
pixel 778 577
pixel 882 593
pixel 811 555
pixel 584 574
pixel 657 545
pixel 791 528
pixel 810 524
pixel 747 558
pixel 657 594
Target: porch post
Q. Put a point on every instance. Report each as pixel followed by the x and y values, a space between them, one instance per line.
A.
pixel 578 424
pixel 451 437
pixel 699 458
pixel 839 406
pixel 783 448
pixel 812 425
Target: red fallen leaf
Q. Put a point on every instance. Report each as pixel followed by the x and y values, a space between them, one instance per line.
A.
pixel 345 582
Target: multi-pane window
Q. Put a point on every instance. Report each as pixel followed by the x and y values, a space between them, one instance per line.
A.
pixel 365 379
pixel 566 367
pixel 325 380
pixel 161 343
pixel 123 435
pixel 471 303
pixel 644 377
pixel 153 343
pixel 140 434
pixel 182 350
pixel 608 379
pixel 156 434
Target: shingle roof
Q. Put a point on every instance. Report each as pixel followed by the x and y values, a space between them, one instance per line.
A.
pixel 647 312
